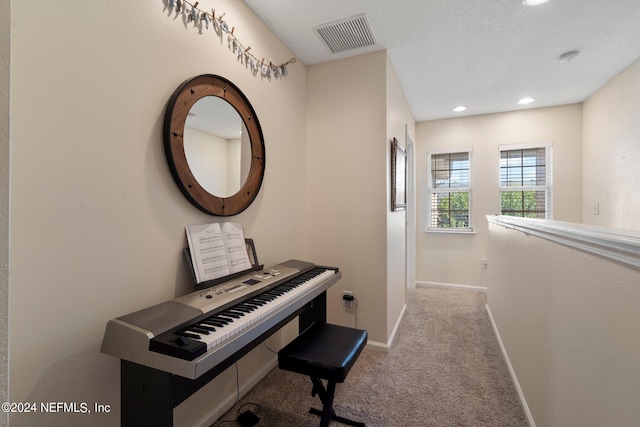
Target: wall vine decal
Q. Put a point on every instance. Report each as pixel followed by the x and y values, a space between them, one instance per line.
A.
pixel 203 20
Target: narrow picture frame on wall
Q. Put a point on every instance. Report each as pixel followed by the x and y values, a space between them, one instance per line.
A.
pixel 398 176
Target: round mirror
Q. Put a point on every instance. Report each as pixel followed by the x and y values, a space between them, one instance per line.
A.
pixel 217 146
pixel 214 145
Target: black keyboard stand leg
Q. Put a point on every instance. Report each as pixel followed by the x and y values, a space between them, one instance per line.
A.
pixel 326 397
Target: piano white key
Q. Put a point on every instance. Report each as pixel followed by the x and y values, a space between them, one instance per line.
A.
pixel 240 325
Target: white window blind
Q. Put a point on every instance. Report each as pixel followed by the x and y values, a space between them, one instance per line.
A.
pixel 525 181
pixel 450 191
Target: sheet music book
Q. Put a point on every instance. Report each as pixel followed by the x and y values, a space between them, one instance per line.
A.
pixel 217 250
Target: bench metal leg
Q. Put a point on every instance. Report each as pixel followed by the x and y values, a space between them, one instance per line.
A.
pixel 326 397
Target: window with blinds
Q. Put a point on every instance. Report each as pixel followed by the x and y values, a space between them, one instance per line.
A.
pixel 525 181
pixel 450 191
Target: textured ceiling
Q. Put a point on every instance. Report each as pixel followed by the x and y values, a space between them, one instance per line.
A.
pixel 485 54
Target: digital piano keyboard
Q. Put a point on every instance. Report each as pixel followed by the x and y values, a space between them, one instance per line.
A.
pixel 211 328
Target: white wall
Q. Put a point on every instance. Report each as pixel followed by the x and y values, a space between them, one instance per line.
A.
pixel 214 161
pixel 355 107
pixel 568 320
pixel 97 223
pixel 5 18
pixel 612 152
pixel 346 160
pixel 457 259
pixel 399 119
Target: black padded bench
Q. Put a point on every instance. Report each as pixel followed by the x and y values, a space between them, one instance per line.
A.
pixel 324 351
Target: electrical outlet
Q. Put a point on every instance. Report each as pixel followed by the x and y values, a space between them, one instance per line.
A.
pixel 347 299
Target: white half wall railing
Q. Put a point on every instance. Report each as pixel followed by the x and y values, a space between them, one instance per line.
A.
pixel 619 245
pixel 564 300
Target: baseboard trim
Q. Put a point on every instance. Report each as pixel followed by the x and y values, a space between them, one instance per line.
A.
pixel 450 286
pixel 378 346
pixel 385 347
pixel 397 325
pixel 512 372
pixel 227 403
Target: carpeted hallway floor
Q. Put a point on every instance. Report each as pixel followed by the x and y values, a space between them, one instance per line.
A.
pixel 444 369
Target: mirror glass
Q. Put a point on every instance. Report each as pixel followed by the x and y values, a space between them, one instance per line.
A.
pixel 214 145
pixel 217 146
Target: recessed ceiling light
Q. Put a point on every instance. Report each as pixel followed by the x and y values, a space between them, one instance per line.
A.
pixel 526 100
pixel 533 2
pixel 459 108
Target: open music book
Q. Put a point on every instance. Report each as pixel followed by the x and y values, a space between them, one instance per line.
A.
pixel 217 250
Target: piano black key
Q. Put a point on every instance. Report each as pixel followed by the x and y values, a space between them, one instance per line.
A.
pixel 277 295
pixel 256 302
pixel 204 325
pixel 232 313
pixel 273 293
pixel 198 330
pixel 215 322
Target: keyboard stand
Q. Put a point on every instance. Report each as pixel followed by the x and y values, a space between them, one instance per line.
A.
pixel 148 396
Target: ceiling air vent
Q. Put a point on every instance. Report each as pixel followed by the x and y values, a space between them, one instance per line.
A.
pixel 347 34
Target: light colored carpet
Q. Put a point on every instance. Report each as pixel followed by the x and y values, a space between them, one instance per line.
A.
pixel 444 369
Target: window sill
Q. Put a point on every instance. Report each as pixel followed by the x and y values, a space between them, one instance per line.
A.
pixel 467 232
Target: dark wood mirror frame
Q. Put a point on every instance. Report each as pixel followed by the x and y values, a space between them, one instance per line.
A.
pixel 180 103
pixel 398 176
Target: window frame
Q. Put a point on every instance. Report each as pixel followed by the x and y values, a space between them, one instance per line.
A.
pixel 431 190
pixel 547 187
